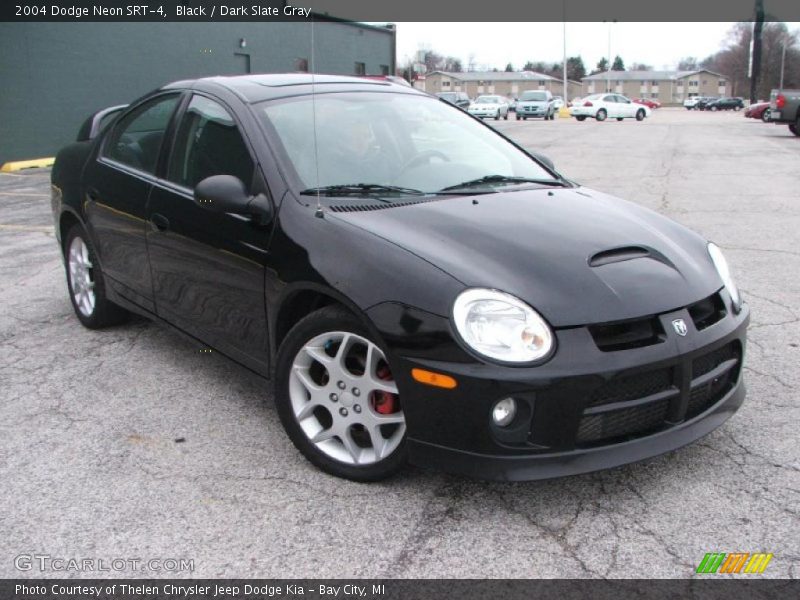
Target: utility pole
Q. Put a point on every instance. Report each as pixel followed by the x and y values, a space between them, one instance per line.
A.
pixel 758 26
pixel 565 54
pixel 783 58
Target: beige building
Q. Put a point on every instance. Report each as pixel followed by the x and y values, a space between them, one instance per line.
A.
pixel 475 83
pixel 669 87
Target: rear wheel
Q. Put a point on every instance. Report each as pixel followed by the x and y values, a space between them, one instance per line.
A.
pixel 765 116
pixel 795 128
pixel 505 116
pixel 714 109
pixel 601 114
pixel 86 285
pixel 518 117
pixel 640 115
pixel 581 118
pixel 619 118
pixel 337 398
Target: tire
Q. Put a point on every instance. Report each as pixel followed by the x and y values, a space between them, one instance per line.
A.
pixel 765 116
pixel 581 118
pixel 601 114
pixel 319 391
pixel 619 118
pixel 524 118
pixel 505 116
pixel 795 128
pixel 552 116
pixel 519 118
pixel 714 109
pixel 737 108
pixel 640 115
pixel 497 116
pixel 85 283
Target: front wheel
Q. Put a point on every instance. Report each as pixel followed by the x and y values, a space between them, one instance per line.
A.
pixel 86 285
pixel 518 118
pixel 795 127
pixel 497 116
pixel 765 116
pixel 505 116
pixel 619 118
pixel 640 115
pixel 601 114
pixel 337 397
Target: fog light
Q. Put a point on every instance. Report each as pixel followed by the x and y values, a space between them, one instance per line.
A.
pixel 504 411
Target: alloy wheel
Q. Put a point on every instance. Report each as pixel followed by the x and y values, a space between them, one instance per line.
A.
pixel 345 399
pixel 81 279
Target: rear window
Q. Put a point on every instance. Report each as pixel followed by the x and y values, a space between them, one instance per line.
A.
pixel 534 96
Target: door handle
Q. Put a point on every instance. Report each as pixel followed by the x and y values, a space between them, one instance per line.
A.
pixel 160 222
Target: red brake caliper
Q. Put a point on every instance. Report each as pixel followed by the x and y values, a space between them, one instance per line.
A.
pixel 384 403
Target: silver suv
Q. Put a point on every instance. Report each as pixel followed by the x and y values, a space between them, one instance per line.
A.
pixel 536 103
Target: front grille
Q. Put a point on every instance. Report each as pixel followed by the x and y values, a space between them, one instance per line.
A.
pixel 638 421
pixel 627 334
pixel 708 362
pixel 632 387
pixel 713 375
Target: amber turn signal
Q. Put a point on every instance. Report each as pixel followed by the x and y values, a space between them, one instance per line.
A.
pixel 434 379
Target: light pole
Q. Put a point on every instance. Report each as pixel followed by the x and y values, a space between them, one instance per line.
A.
pixel 608 65
pixel 783 58
pixel 565 53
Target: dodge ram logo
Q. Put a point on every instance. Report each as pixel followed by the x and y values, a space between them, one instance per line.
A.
pixel 680 327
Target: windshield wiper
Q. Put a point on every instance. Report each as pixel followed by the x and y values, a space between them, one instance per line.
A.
pixel 501 179
pixel 361 189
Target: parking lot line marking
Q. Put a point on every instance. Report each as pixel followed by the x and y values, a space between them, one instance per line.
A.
pixel 28 228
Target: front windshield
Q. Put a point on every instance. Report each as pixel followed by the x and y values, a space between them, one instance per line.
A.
pixel 534 96
pixel 389 139
pixel 487 100
pixel 447 95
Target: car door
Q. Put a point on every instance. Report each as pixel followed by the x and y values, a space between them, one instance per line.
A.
pixel 118 184
pixel 611 105
pixel 625 107
pixel 209 267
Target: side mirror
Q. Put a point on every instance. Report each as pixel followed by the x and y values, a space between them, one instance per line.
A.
pixel 228 194
pixel 544 159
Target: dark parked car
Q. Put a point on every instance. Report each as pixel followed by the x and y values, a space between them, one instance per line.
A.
pixel 418 286
pixel 704 101
pixel 725 104
pixel 459 99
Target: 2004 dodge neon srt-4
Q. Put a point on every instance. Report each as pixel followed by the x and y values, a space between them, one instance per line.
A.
pixel 419 287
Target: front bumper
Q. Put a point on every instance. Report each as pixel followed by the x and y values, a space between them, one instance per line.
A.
pixel 484 113
pixel 585 409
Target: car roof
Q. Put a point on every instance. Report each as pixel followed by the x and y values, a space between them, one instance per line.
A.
pixel 260 87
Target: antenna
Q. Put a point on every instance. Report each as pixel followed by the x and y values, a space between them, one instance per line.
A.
pixel 319 212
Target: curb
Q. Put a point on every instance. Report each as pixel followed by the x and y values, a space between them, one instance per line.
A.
pixel 18 165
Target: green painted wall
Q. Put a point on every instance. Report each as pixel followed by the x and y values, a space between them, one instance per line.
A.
pixel 53 75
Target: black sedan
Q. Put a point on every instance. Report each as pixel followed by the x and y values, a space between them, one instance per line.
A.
pixel 725 104
pixel 417 286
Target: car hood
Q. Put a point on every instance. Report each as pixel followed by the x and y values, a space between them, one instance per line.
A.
pixel 576 255
pixel 484 106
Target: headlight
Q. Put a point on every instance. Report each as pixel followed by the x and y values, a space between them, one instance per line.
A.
pixel 500 326
pixel 725 274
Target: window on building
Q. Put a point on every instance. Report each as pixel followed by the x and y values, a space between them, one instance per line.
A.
pixel 722 83
pixel 208 143
pixel 136 140
pixel 384 69
pixel 301 65
pixel 542 82
pixel 654 95
pixel 445 83
pixel 654 83
pixel 361 68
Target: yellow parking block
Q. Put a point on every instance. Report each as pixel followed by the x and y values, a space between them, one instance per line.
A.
pixel 563 112
pixel 18 165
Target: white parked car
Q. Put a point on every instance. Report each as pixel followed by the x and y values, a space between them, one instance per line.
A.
pixel 558 102
pixel 609 106
pixel 489 106
pixel 690 103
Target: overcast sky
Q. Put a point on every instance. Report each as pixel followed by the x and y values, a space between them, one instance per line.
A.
pixel 660 45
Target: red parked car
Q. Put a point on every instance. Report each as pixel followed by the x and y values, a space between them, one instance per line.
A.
pixel 760 110
pixel 648 102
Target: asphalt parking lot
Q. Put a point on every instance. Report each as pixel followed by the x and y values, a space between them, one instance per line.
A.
pixel 90 466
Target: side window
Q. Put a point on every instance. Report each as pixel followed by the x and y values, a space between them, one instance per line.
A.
pixel 610 98
pixel 208 143
pixel 136 139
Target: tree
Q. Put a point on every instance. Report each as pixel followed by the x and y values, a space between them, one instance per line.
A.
pixel 575 68
pixel 509 68
pixel 688 63
pixel 601 67
pixel 618 65
pixel 437 62
pixel 641 67
pixel 733 59
pixel 528 66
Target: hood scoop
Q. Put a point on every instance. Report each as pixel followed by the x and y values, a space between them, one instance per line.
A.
pixel 615 255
